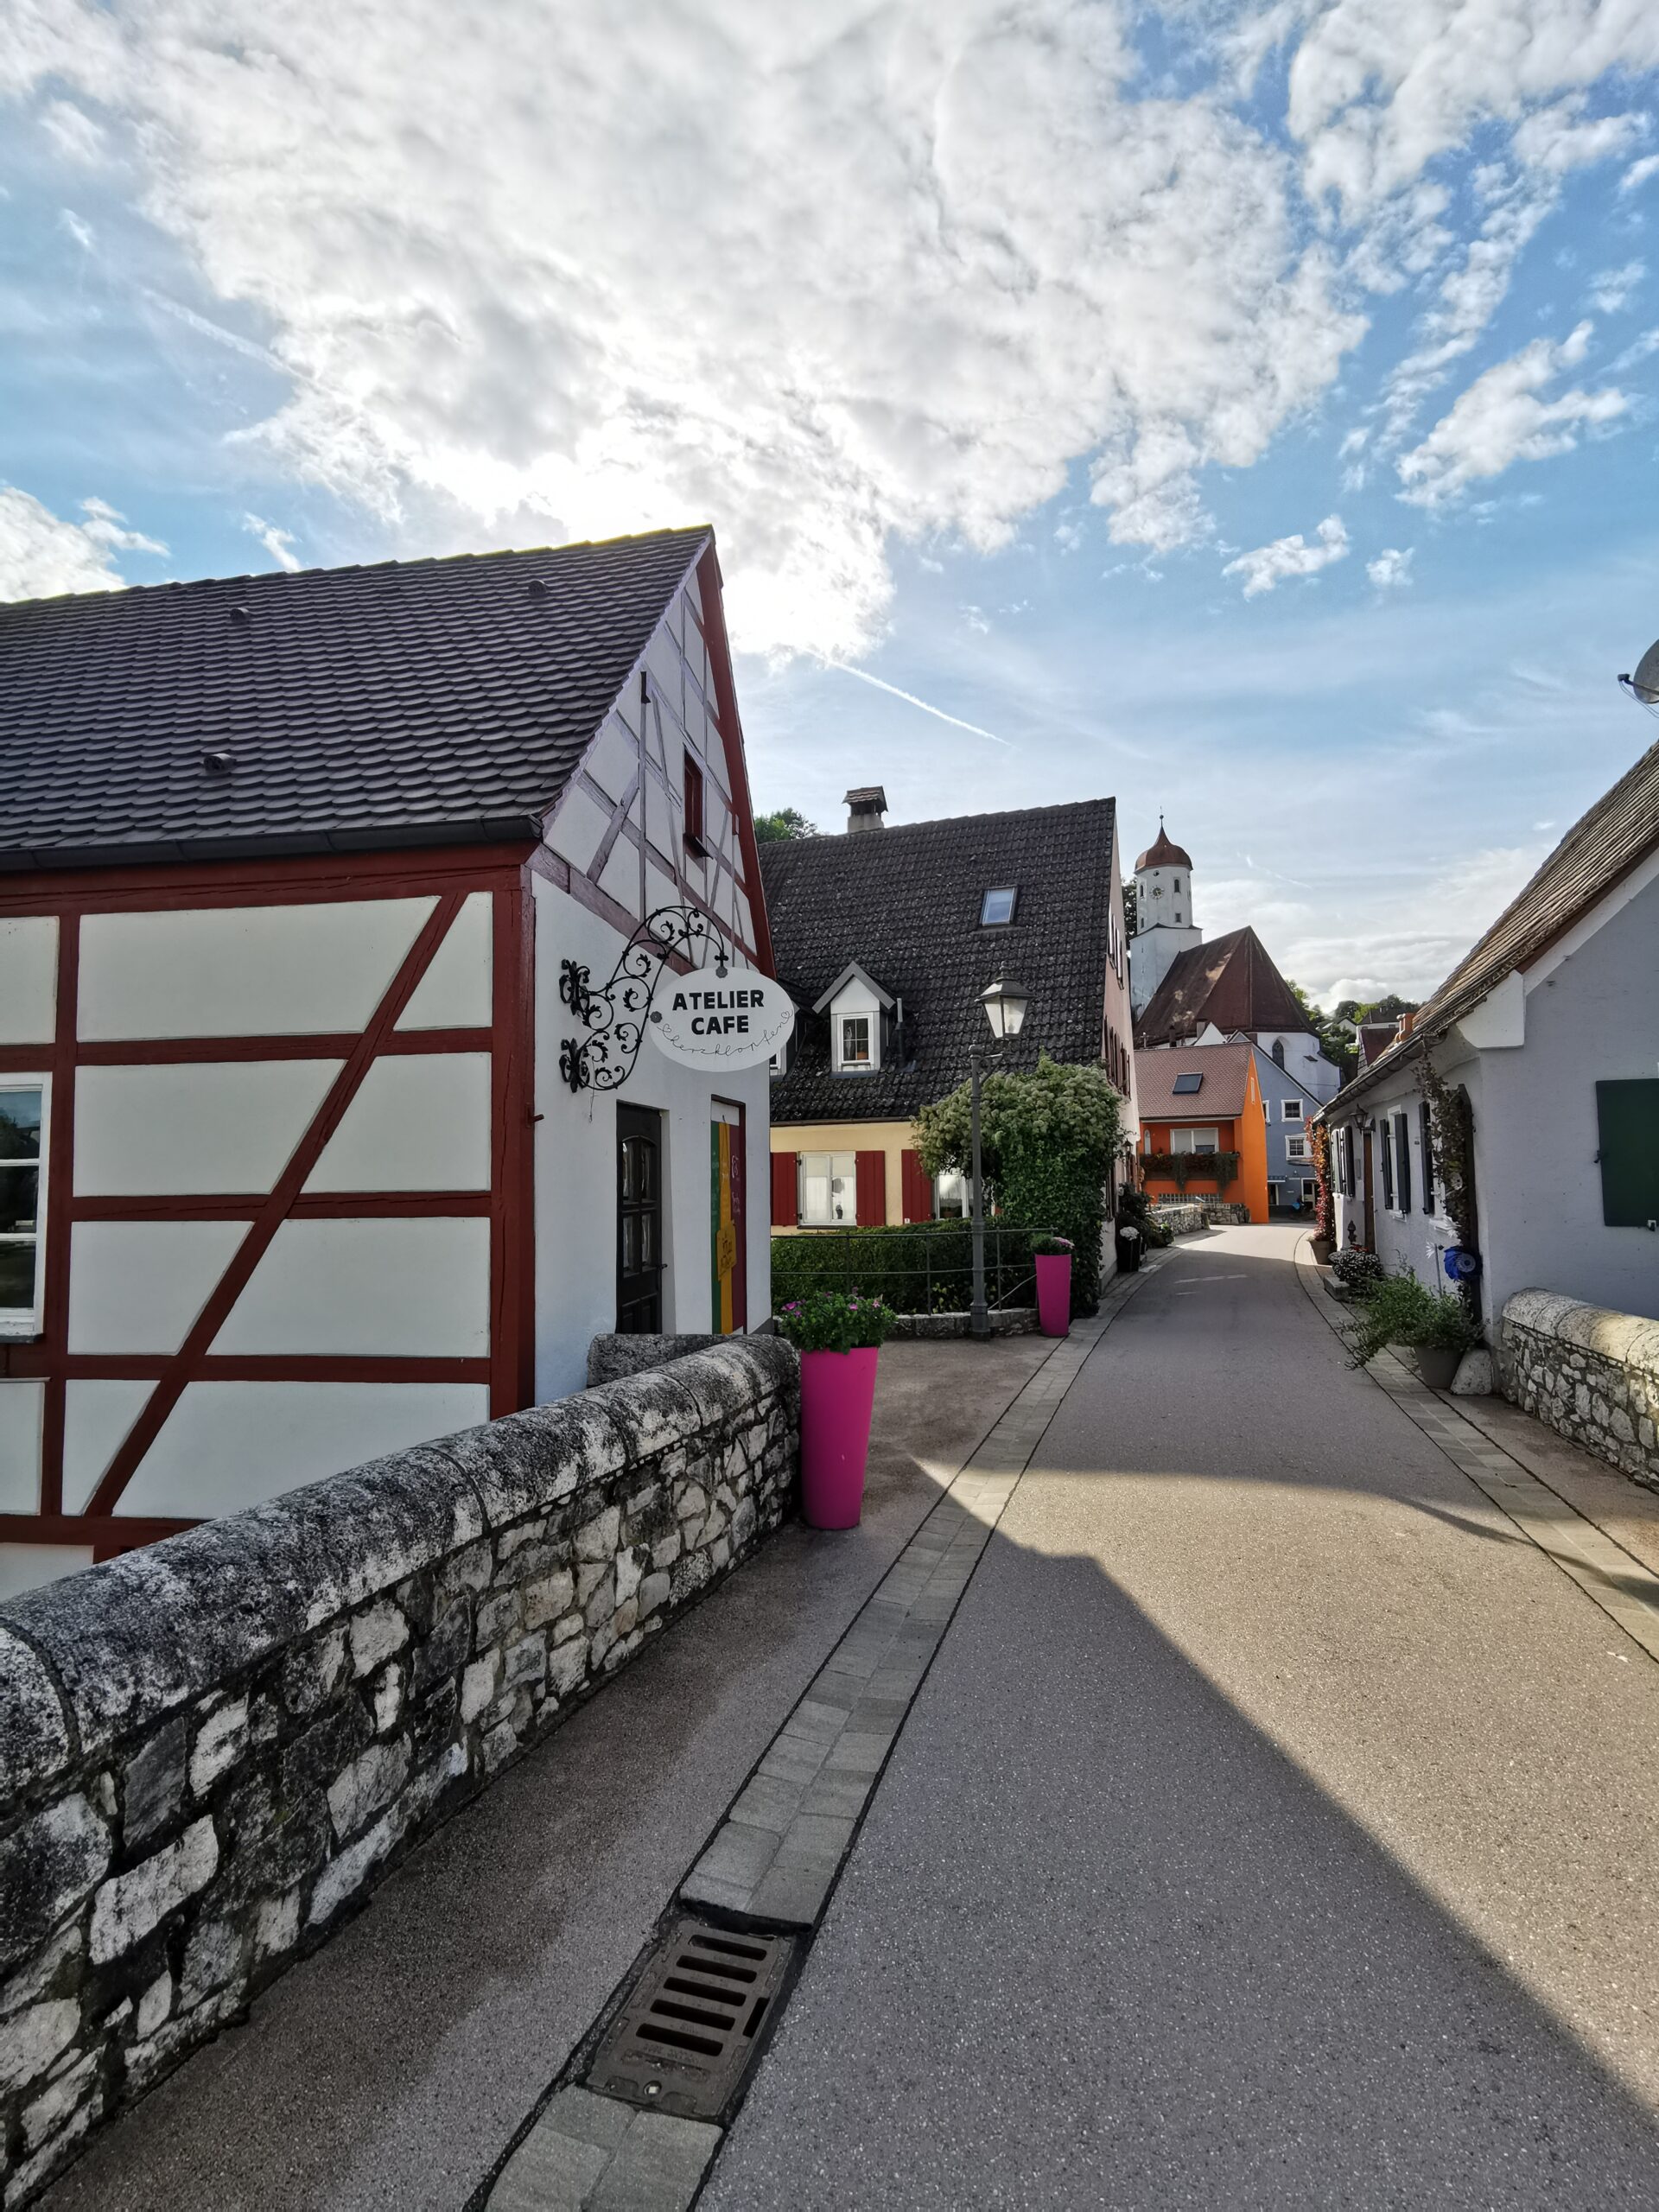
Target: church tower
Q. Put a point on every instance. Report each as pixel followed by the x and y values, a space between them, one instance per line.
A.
pixel 1164 920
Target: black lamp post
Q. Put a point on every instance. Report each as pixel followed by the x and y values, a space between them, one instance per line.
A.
pixel 1005 1009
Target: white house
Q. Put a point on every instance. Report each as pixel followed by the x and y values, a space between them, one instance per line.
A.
pixel 316 1136
pixel 1547 1034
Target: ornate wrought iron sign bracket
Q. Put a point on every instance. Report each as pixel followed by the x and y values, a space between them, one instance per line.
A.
pixel 614 1015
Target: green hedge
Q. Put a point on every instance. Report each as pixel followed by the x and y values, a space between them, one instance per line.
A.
pixel 926 1268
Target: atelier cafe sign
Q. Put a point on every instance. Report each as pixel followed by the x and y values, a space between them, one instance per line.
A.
pixel 731 1021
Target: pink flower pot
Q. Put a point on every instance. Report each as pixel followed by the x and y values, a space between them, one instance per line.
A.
pixel 837 1395
pixel 1054 1293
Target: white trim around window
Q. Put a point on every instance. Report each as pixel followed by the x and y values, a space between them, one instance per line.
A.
pixel 25 1144
pixel 827 1189
pixel 1295 1148
pixel 1290 1109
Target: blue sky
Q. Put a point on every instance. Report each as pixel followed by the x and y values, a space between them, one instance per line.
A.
pixel 1248 410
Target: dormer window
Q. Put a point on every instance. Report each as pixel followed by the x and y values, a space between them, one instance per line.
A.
pixel 997 906
pixel 855 1040
pixel 863 1021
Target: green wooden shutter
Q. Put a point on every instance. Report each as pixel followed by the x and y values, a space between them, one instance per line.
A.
pixel 1627 1118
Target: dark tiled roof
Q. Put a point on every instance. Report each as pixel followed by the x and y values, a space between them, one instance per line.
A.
pixel 905 903
pixel 1603 845
pixel 1160 853
pixel 1374 1038
pixel 1220 1098
pixel 1231 982
pixel 412 702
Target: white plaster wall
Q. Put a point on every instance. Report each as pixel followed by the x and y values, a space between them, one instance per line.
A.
pixel 413 1287
pixel 1304 1059
pixel 243 971
pixel 1152 955
pixel 21 1407
pixel 420 1122
pixel 576 1167
pixel 228 1445
pixel 28 979
pixel 1160 903
pixel 98 1412
pixel 1592 1017
pixel 455 992
pixel 196 1126
pixel 136 1285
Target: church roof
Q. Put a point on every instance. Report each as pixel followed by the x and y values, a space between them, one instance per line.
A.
pixel 1161 853
pixel 1231 982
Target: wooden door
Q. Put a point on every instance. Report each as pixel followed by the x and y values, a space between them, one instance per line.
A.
pixel 638 1221
pixel 728 1272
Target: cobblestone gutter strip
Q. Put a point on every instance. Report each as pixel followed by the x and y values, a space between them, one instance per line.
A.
pixel 775 1860
pixel 1614 1578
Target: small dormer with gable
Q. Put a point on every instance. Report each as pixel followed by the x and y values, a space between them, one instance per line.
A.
pixel 864 1020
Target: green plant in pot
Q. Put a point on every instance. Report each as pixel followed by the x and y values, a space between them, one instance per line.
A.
pixel 838 1334
pixel 1435 1327
pixel 1448 1330
pixel 1052 1264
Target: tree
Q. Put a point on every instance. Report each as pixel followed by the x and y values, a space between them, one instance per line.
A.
pixel 1335 1043
pixel 1131 910
pixel 787 821
pixel 1048 1138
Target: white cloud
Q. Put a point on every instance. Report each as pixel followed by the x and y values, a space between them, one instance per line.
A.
pixel 1504 416
pixel 1290 557
pixel 107 526
pixel 74 133
pixel 1392 569
pixel 40 555
pixel 831 277
pixel 1612 289
pixel 279 544
pixel 1639 172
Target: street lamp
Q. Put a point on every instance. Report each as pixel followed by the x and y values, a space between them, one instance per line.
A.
pixel 1005 1009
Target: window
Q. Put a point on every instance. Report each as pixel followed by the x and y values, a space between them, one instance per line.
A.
pixel 1278 1051
pixel 1187 1086
pixel 1402 1160
pixel 828 1188
pixel 1290 1109
pixel 1295 1148
pixel 950 1198
pixel 1627 1114
pixel 1388 1168
pixel 22 1109
pixel 1349 1187
pixel 784 1058
pixel 694 805
pixel 1426 1130
pixel 998 906
pixel 1310 1190
pixel 1195 1140
pixel 856 1040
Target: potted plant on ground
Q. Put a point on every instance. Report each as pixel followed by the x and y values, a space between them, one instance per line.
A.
pixel 1449 1330
pixel 838 1334
pixel 1052 1257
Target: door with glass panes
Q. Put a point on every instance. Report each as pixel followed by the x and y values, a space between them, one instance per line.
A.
pixel 638 1221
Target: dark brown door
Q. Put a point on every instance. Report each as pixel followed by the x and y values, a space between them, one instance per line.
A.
pixel 1371 1204
pixel 638 1221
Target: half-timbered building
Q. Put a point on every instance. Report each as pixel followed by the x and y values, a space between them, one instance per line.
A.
pixel 303 1159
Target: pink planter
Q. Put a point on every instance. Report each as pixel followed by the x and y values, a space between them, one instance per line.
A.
pixel 837 1394
pixel 1054 1293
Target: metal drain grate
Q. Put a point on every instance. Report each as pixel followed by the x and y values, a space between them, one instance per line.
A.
pixel 694 2024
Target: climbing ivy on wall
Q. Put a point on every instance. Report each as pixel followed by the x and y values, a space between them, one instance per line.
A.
pixel 1452 1140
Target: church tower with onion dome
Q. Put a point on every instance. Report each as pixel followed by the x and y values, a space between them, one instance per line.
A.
pixel 1164 925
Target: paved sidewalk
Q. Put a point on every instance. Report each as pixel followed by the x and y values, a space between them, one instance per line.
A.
pixel 1274 1828
pixel 394 2067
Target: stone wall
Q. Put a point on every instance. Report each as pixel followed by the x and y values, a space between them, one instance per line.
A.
pixel 211 1750
pixel 1005 1320
pixel 1185 1220
pixel 1591 1375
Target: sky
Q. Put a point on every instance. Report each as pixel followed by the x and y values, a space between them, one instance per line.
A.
pixel 1249 411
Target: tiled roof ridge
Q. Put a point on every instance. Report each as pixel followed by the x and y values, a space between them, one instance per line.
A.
pixel 129 592
pixel 871 841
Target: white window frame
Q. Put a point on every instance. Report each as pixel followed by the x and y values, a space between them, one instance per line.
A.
pixel 830 1168
pixel 1187 1140
pixel 1295 1148
pixel 872 1044
pixel 1290 1109
pixel 1008 891
pixel 952 1176
pixel 23 1323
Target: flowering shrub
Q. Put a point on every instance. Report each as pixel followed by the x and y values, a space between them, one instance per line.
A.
pixel 1357 1271
pixel 1051 1248
pixel 835 1320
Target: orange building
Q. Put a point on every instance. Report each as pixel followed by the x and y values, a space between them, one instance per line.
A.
pixel 1197 1100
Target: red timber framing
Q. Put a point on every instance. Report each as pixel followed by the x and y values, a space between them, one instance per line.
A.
pixel 448 876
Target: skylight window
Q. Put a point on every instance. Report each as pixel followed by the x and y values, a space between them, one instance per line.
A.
pixel 998 906
pixel 1186 1085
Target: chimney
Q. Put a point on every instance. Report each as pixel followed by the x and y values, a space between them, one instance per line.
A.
pixel 867 808
pixel 1407 1023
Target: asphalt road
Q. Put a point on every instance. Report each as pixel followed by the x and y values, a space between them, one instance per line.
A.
pixel 1275 1828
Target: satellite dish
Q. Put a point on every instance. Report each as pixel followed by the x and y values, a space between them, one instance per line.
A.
pixel 1643 686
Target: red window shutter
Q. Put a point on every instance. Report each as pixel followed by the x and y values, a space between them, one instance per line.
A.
pixel 872 1189
pixel 784 1210
pixel 917 1187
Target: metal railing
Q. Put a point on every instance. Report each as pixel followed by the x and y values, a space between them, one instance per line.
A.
pixel 923 1268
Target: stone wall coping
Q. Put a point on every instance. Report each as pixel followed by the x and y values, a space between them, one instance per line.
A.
pixel 87 1660
pixel 1627 1340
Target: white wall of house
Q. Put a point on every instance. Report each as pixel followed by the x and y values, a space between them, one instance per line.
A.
pixel 1586 1012
pixel 1303 1059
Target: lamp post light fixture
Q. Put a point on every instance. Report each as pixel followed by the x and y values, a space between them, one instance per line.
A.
pixel 1005 1009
